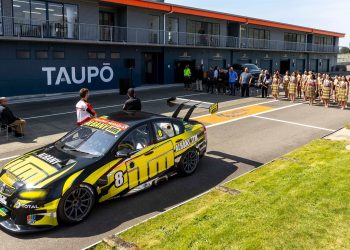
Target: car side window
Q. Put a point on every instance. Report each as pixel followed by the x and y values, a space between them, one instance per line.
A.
pixel 163 130
pixel 136 140
pixel 177 129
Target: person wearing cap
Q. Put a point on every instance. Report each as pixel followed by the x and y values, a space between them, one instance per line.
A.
pixel 8 118
pixel 133 103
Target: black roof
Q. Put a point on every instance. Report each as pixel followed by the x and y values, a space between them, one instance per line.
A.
pixel 132 117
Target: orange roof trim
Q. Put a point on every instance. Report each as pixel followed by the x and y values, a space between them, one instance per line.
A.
pixel 223 16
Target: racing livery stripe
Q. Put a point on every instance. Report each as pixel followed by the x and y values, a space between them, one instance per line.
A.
pixel 94 176
pixel 48 180
pixel 70 181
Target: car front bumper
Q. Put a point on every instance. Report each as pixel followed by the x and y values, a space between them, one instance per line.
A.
pixel 8 225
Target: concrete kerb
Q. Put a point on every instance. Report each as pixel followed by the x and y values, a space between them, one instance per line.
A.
pixel 196 197
pixel 67 95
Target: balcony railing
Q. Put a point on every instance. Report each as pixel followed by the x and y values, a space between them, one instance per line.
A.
pixel 128 35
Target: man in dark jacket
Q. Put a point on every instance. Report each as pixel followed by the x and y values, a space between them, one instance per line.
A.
pixel 133 103
pixel 8 118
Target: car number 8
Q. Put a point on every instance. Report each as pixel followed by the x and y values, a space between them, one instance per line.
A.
pixel 119 179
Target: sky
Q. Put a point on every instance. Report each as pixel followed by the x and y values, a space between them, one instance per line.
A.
pixel 332 15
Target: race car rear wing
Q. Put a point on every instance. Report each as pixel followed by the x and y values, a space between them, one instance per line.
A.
pixel 213 107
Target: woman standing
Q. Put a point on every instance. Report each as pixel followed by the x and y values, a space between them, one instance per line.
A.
pixel 335 89
pixel 304 79
pixel 299 83
pixel 343 90
pixel 326 91
pixel 311 89
pixel 292 87
pixel 286 80
pixel 275 86
pixel 320 79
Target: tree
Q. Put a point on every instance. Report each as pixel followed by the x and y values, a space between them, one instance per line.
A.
pixel 344 50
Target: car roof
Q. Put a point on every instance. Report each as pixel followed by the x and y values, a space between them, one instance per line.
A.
pixel 132 118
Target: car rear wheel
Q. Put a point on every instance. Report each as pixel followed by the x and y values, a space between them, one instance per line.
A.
pixel 189 162
pixel 76 204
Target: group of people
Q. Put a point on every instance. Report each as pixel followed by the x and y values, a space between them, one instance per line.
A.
pixel 85 111
pixel 218 80
pixel 308 86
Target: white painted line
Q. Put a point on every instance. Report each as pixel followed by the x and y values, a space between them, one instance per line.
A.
pixel 105 107
pixel 294 123
pixel 8 158
pixel 247 106
pixel 248 116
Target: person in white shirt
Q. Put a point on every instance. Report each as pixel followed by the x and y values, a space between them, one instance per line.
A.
pixel 85 112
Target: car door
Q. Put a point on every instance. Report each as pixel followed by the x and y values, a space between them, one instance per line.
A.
pixel 139 143
pixel 163 150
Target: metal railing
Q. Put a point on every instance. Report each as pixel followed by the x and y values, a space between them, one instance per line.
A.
pixel 92 32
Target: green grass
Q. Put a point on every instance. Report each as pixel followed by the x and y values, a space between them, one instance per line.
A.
pixel 299 201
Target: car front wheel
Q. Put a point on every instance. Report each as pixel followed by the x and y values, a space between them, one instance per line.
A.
pixel 76 204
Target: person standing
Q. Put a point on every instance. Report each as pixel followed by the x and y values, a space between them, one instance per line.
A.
pixel 210 81
pixel 275 86
pixel 187 77
pixel 299 85
pixel 311 89
pixel 286 80
pixel 199 78
pixel 292 87
pixel 85 112
pixel 245 81
pixel 215 78
pixel 232 80
pixel 342 92
pixel 8 118
pixel 304 79
pixel 326 91
pixel 133 103
pixel 265 85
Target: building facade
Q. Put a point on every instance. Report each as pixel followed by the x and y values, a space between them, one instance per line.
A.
pixel 63 45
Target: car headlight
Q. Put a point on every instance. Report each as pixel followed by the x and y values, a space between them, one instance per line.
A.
pixel 33 194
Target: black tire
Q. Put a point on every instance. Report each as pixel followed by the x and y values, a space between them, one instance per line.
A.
pixel 76 204
pixel 189 162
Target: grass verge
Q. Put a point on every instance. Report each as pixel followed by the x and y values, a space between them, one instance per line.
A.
pixel 301 200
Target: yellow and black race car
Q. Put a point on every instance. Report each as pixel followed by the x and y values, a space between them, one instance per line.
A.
pixel 105 158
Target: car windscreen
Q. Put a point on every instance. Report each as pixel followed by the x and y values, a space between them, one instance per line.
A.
pixel 88 140
pixel 251 67
pixel 95 137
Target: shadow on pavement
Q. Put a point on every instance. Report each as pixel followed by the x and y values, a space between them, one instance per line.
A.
pixel 212 170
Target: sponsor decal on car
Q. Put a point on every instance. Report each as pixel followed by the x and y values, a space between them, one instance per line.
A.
pixel 112 127
pixel 49 158
pixel 26 206
pixel 31 219
pixel 186 143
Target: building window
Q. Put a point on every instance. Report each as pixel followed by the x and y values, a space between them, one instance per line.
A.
pixel 255 38
pixel 58 54
pixel 92 55
pixel 45 19
pixel 294 38
pixel 115 55
pixel 41 54
pixel 154 29
pixel 172 30
pixel 23 54
pixel 203 33
pixel 101 55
